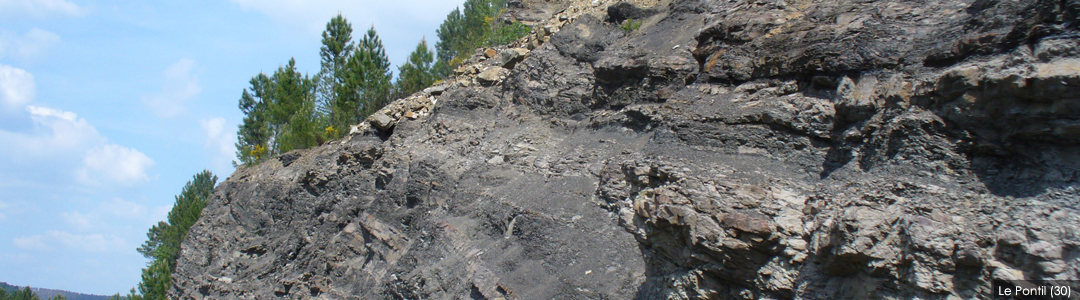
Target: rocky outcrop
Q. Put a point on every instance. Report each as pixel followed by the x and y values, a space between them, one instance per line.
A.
pixel 723 150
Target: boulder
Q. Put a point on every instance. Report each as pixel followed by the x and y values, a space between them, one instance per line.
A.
pixel 508 58
pixel 381 121
pixel 491 76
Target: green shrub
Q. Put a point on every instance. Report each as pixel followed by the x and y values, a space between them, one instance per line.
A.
pixel 507 33
pixel 473 26
pixel 629 25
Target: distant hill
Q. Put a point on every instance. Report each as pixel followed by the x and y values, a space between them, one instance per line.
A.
pixel 49 293
pixel 9 288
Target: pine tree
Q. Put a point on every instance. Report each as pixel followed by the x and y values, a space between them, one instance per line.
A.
pixel 132 295
pixel 365 85
pixel 254 134
pixel 24 294
pixel 345 108
pixel 451 35
pixel 416 73
pixel 375 67
pixel 337 46
pixel 163 240
pixel 280 115
pixel 292 111
pixel 337 43
pixel 479 16
pixel 288 110
pixel 156 280
pixel 469 28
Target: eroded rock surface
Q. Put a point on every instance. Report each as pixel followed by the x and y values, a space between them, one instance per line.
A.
pixel 723 150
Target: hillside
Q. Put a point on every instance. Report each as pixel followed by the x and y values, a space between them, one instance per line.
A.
pixel 49 293
pixel 687 150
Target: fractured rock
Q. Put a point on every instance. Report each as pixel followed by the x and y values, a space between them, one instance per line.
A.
pixel 508 58
pixel 381 121
pixel 491 76
pixel 726 149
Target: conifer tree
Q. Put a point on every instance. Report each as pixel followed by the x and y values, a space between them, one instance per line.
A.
pixel 479 16
pixel 375 67
pixel 469 28
pixel 451 37
pixel 287 110
pixel 24 294
pixel 365 82
pixel 292 110
pixel 253 136
pixel 336 48
pixel 163 240
pixel 279 115
pixel 416 73
pixel 336 43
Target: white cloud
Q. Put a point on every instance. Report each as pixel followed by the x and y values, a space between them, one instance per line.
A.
pixel 114 164
pixel 59 141
pixel 220 142
pixel 114 215
pixel 122 209
pixel 16 87
pixel 56 133
pixel 107 212
pixel 50 112
pixel 33 243
pixel 216 136
pixel 94 242
pixel 179 87
pixel 18 258
pixel 27 46
pixel 77 220
pixel 88 243
pixel 9 208
pixel 39 8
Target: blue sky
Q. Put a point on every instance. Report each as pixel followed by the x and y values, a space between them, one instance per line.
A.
pixel 108 107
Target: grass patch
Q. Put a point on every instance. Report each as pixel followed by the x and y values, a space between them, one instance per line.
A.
pixel 503 34
pixel 629 25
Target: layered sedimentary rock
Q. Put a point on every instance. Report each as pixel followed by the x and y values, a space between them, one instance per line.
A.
pixel 721 150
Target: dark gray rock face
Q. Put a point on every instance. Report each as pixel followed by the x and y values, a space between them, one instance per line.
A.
pixel 723 150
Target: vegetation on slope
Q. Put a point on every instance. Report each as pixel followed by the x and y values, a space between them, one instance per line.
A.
pixel 288 110
pixel 472 27
pixel 24 294
pixel 162 246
